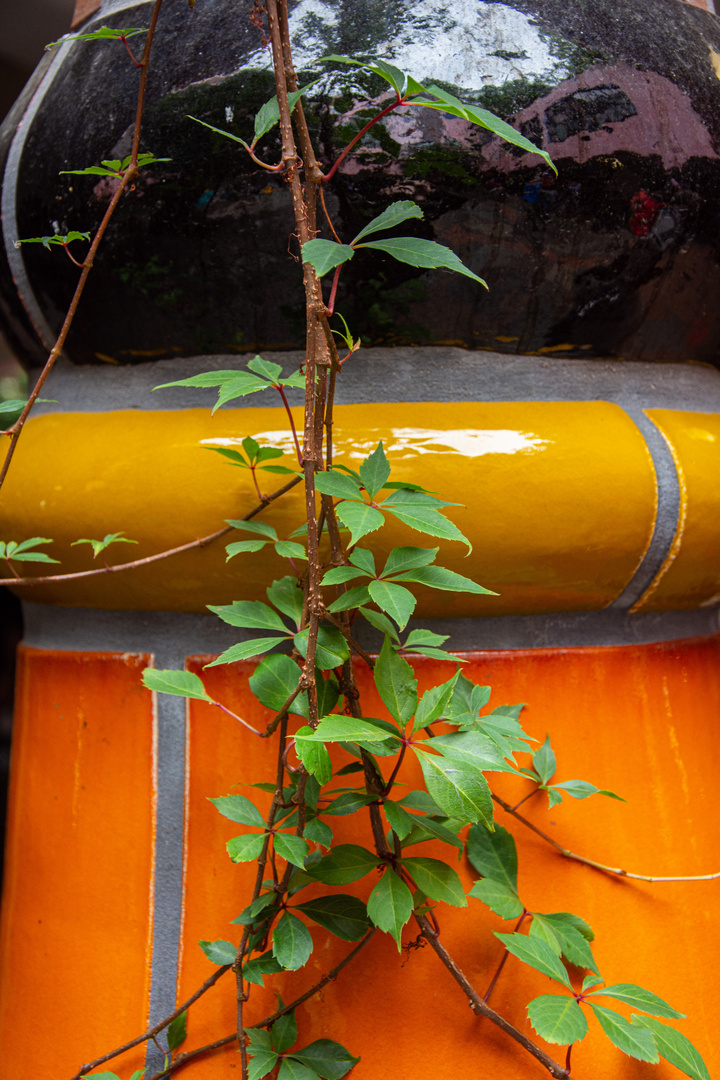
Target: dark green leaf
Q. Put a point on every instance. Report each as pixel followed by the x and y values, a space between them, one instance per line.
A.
pixel 498 897
pixel 364 560
pixel 238 808
pixel 458 792
pixel 254 970
pixel 219 131
pixel 177 1031
pixel 348 803
pixel 424 253
pixel 375 470
pixel 264 1058
pixel 537 954
pixel 245 848
pixel 394 600
pixel 325 255
pixel 342 574
pixel 283 1033
pixel 329 1059
pixel 494 855
pixel 317 831
pixel 345 863
pixel 401 822
pixel 344 916
pixel 331 651
pixel 292 943
pixel 636 1042
pixel 274 680
pixel 380 622
pixel 393 215
pixel 557 1019
pixel 675 1048
pixel 314 756
pixel 220 952
pixel 269 114
pixel 292 848
pixel 639 998
pixel 292 1069
pixel 426 828
pixel 258 910
pixel 286 595
pixel 353 598
pixel 177 683
pixel 437 880
pixel 390 905
pixel 396 683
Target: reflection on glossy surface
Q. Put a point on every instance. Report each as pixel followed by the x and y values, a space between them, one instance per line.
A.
pixel 691 574
pixel 533 482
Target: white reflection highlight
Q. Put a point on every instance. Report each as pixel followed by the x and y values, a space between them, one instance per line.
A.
pixel 405 442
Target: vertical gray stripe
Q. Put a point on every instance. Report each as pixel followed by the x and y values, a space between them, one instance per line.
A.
pixel 668 511
pixel 169 853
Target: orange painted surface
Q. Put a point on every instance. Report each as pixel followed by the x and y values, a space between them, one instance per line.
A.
pixel 75 935
pixel 639 720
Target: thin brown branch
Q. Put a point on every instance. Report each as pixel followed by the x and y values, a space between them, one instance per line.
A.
pixel 481 1008
pixel 201 543
pixel 128 177
pixel 616 870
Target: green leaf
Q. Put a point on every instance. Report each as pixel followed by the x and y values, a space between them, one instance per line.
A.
pixel 349 802
pixel 427 828
pixel 397 79
pixel 675 1048
pixel 402 559
pixel 390 905
pixel 580 789
pixel 353 598
pixel 325 255
pixel 590 981
pixel 639 998
pixel 292 848
pixel 98 35
pixel 342 574
pixel 287 597
pixel 437 880
pixel 258 910
pixel 557 1019
pixel 425 519
pixel 423 253
pixel 328 1059
pixel 501 899
pixel 636 1042
pixel 565 938
pixel 437 577
pixel 220 952
pixel 176 683
pixel 434 702
pixel 316 830
pixel 286 549
pixel 494 854
pixel 264 1058
pixel 360 519
pixel 397 602
pixel 375 471
pixel 343 915
pixel 22 552
pixel 336 728
pixel 245 650
pixel 291 1069
pixel 364 560
pixel 259 527
pixel 396 683
pixel 100 545
pixel 238 808
pixel 177 1031
pixel 283 1032
pixel 458 792
pixel 266 964
pixel 314 756
pixel 240 547
pixel 345 863
pixel 537 954
pixel 245 848
pixel 401 822
pixel 250 614
pixel 292 943
pixel 471 750
pixel 393 215
pixel 339 485
pixel 544 761
pixel 274 680
pixel 269 114
pixel 332 650
pixel 380 622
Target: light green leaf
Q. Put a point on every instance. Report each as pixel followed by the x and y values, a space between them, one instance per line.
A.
pixel 360 519
pixel 396 683
pixel 287 597
pixel 402 559
pixel 325 255
pixel 329 1059
pixel 375 470
pixel 264 1058
pixel 176 683
pixel 251 615
pixel 274 680
pixel 401 822
pixel 636 1042
pixel 238 808
pixel 571 935
pixel 498 897
pixel 437 880
pixel 380 622
pixel 580 789
pixel 245 848
pixel 423 253
pixel 292 943
pixel 394 600
pixel 336 728
pixel 557 1019
pixel 269 114
pixel 98 35
pixel 220 952
pixel 537 954
pixel 292 1069
pixel 345 863
pixel 675 1048
pixel 353 598
pixel 241 547
pixel 393 215
pixel 314 756
pixel 287 549
pixel 437 577
pixel 338 484
pixel 639 998
pixel 258 527
pixel 544 761
pixel 349 802
pixel 390 905
pixel 344 916
pixel 100 545
pixel 471 750
pixel 219 131
pixel 458 792
pixel 427 828
pixel 245 650
pixel 426 520
pixel 434 702
pixel 292 848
